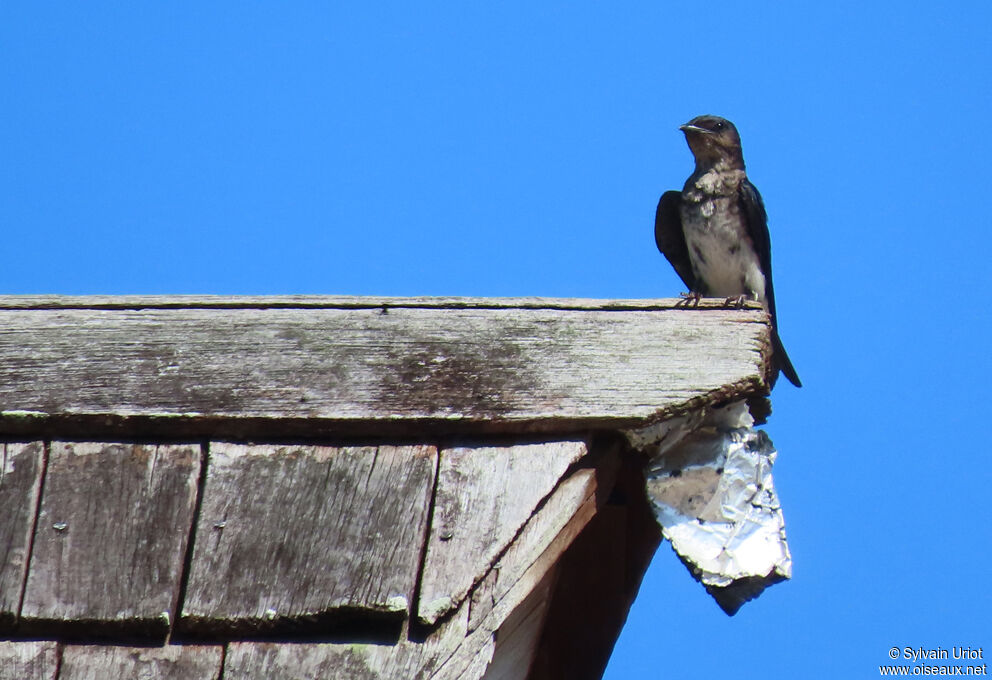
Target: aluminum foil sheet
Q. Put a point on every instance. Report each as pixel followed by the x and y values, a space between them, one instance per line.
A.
pixel 709 480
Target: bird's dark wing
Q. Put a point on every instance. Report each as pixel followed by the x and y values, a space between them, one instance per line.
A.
pixel 670 239
pixel 756 222
pixel 753 209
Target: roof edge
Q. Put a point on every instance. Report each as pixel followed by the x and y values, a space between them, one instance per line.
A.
pixel 15 425
pixel 123 302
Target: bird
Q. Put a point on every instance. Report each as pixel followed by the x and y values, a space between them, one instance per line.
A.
pixel 715 231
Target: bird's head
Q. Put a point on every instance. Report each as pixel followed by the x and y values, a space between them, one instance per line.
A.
pixel 714 142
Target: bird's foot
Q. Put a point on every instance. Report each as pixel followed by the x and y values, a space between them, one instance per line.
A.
pixel 737 301
pixel 690 299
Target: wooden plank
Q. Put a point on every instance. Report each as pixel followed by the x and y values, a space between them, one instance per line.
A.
pixel 591 589
pixel 340 302
pixel 28 660
pixel 598 578
pixel 484 496
pixel 547 535
pixel 518 636
pixel 111 535
pixel 476 368
pixel 171 662
pixel 301 531
pixel 515 592
pixel 20 482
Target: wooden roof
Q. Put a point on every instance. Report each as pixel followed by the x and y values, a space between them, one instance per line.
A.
pixel 337 487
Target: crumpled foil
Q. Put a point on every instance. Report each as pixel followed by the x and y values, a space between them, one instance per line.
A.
pixel 709 479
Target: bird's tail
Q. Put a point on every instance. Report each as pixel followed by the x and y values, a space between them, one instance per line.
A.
pixel 781 361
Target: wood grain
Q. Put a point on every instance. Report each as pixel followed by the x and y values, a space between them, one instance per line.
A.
pixel 592 591
pixel 171 662
pixel 517 638
pixel 111 535
pixel 516 592
pixel 287 532
pixel 117 302
pixel 20 482
pixel 454 651
pixel 371 363
pixel 335 661
pixel 597 579
pixel 28 660
pixel 547 535
pixel 484 496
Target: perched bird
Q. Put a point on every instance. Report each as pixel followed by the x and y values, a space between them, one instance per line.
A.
pixel 715 231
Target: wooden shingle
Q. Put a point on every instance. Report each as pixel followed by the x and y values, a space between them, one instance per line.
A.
pixel 288 532
pixel 111 536
pixel 21 466
pixel 36 660
pixel 171 662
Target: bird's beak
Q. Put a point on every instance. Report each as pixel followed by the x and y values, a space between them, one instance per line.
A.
pixel 688 127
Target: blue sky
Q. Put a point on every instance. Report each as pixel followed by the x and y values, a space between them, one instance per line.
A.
pixel 519 149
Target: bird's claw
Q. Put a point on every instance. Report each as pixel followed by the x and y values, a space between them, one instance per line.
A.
pixel 737 301
pixel 690 299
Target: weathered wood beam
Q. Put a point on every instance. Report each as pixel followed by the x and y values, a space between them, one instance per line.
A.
pixel 238 367
pixel 118 302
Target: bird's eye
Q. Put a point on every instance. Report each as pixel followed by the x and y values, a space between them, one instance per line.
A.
pixel 719 126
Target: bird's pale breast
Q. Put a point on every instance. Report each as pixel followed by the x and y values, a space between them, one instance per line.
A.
pixel 720 250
